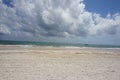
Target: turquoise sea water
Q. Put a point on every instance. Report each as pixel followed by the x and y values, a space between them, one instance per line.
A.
pixel 55 44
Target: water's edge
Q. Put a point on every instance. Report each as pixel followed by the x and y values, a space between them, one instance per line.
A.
pixel 56 44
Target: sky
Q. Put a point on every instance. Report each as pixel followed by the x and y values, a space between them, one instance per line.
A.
pixel 103 7
pixel 66 21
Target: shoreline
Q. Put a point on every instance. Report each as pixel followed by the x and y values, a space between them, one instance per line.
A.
pixel 57 44
pixel 39 47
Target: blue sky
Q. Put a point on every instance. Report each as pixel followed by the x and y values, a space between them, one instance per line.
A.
pixel 73 21
pixel 103 7
pixel 8 3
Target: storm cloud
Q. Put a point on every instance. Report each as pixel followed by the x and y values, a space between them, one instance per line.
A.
pixel 54 18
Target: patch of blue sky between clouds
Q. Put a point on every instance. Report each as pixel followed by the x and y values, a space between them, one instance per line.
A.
pixel 103 7
pixel 9 3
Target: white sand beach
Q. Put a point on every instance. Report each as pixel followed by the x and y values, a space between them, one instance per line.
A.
pixel 20 62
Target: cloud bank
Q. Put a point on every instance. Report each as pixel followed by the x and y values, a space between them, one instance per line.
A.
pixel 54 18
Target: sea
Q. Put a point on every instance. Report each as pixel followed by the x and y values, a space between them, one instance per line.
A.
pixel 4 42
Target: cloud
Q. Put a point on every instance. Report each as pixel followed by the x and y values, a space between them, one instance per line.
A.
pixel 4 30
pixel 109 25
pixel 54 18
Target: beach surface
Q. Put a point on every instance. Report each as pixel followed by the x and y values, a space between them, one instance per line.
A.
pixel 26 62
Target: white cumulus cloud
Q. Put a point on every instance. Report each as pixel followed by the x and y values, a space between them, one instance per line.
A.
pixel 54 18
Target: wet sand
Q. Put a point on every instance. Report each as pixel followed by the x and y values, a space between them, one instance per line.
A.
pixel 22 62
